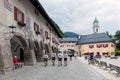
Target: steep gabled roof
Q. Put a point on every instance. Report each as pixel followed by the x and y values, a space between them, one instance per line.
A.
pixel 94 38
pixel 39 7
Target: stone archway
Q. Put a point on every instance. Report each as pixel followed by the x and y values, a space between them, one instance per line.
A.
pixel 21 49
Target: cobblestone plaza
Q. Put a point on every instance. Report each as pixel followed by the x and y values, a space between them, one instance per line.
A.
pixel 76 70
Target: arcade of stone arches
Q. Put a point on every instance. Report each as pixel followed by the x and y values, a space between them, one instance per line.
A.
pixel 27 51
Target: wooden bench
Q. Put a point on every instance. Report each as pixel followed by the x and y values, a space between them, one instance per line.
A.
pixel 97 62
pixel 104 64
pixel 115 68
pixel 115 57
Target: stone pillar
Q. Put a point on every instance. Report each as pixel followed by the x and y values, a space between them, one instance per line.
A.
pixel 6 63
pixel 39 56
pixel 29 57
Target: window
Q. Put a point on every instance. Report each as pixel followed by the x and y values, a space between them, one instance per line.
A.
pixel 72 45
pixel 36 28
pixel 18 15
pixel 105 45
pixel 61 45
pixel 112 45
pixel 46 35
pixel 36 12
pixel 99 45
pixel 79 47
pixel 91 46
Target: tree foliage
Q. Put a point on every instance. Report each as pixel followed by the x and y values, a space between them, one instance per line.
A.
pixel 109 35
pixel 117 37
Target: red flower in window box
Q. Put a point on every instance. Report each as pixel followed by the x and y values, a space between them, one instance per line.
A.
pixel 91 46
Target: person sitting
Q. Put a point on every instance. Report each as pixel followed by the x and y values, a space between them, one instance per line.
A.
pixel 15 61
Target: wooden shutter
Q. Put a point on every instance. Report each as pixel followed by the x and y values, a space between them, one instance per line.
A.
pixel 35 29
pixel 22 17
pixel 15 13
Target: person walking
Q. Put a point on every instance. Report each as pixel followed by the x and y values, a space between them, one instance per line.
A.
pixel 53 57
pixel 45 57
pixel 70 55
pixel 65 55
pixel 60 55
pixel 75 55
pixel 91 59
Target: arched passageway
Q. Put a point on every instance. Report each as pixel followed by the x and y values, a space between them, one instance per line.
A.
pixel 18 47
pixel 21 49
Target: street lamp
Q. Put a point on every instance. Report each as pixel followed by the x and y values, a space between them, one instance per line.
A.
pixel 12 29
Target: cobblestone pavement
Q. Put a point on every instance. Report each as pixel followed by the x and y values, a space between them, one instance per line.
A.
pixel 76 70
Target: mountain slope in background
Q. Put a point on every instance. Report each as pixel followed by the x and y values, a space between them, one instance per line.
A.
pixel 71 34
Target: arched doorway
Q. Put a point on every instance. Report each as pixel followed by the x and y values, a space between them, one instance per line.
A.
pixel 18 45
pixel 21 55
pixel 20 48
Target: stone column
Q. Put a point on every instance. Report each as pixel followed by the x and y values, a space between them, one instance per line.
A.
pixel 6 63
pixel 39 55
pixel 29 57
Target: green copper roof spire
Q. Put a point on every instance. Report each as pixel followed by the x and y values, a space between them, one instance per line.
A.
pixel 96 21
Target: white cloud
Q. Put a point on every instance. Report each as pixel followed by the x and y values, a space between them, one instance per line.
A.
pixel 78 15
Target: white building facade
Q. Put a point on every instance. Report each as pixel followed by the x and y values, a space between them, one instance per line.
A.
pixel 67 44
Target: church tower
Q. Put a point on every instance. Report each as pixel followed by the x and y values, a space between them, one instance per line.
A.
pixel 95 26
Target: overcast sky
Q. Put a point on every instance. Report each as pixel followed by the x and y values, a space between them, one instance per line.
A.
pixel 78 15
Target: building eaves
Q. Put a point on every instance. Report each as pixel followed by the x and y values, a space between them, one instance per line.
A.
pixel 39 7
pixel 94 38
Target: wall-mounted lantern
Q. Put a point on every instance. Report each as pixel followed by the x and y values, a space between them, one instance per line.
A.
pixel 12 29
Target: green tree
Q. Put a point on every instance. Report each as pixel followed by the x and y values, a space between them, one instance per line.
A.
pixel 109 35
pixel 117 52
pixel 117 39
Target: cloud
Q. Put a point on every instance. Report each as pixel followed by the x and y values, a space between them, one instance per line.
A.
pixel 78 15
